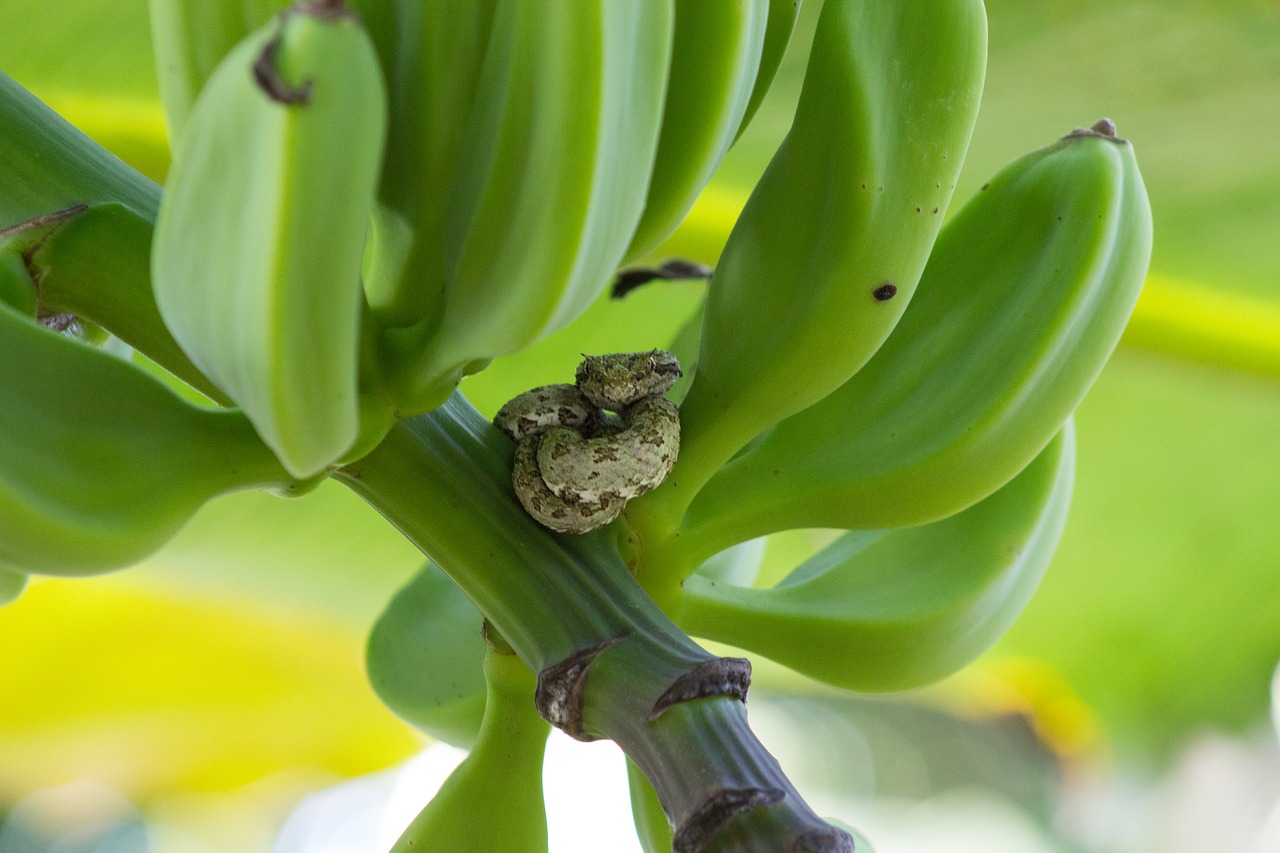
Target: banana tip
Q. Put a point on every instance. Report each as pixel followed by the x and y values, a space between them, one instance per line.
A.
pixel 1103 127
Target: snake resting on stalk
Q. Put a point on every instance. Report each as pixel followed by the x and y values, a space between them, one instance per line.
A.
pixel 577 465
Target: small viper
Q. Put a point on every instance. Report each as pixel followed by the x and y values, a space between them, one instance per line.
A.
pixel 576 466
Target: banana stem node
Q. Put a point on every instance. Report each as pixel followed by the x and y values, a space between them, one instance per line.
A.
pixel 720 677
pixel 823 841
pixel 561 692
pixel 718 811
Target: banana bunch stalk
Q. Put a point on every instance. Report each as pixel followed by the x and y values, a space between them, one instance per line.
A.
pixel 371 200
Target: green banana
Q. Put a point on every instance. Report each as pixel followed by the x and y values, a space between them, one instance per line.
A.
pixel 80 220
pixel 12 583
pixel 425 655
pixel 906 607
pixel 96 266
pixel 190 38
pixel 433 54
pixel 558 155
pixel 100 463
pixel 778 28
pixel 17 290
pixel 715 56
pixel 260 239
pixel 653 829
pixel 493 800
pixel 825 256
pixel 1025 297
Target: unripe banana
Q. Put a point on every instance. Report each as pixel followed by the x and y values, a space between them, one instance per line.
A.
pixel 96 266
pixel 653 829
pixel 492 801
pixel 17 290
pixel 12 583
pixel 906 607
pixel 715 56
pixel 425 656
pixel 81 221
pixel 558 155
pixel 778 28
pixel 259 243
pixel 1025 297
pixel 432 53
pixel 100 463
pixel 826 255
pixel 190 38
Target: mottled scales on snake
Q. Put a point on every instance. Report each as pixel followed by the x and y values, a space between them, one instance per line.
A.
pixel 576 465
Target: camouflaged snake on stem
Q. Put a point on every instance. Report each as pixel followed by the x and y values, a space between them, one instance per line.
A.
pixel 584 450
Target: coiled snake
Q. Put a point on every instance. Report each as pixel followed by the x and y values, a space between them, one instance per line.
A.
pixel 577 465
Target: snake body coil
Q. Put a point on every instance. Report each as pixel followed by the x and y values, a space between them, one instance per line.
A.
pixel 577 466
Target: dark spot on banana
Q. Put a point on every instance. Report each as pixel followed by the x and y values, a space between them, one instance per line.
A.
pixel 272 84
pixel 886 291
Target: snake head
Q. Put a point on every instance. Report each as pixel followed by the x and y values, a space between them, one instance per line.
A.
pixel 617 380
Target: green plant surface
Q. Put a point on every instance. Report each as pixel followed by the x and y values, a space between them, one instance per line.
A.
pixel 1161 606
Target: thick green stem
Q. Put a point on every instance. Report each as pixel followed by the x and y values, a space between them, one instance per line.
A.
pixel 610 664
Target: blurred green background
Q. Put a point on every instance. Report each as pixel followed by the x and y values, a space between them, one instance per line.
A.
pixel 231 662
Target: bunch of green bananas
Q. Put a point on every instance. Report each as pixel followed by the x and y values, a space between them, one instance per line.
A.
pixel 923 405
pixel 371 200
pixel 939 454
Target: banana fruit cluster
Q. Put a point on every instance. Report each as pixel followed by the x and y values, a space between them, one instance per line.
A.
pixel 946 455
pixel 869 369
pixel 1024 299
pixel 372 199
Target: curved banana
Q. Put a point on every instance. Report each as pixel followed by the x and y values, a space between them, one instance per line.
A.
pixel 432 54
pixel 780 24
pixel 17 290
pixel 653 829
pixel 12 583
pixel 493 800
pixel 100 463
pixel 425 656
pixel 715 56
pixel 190 38
pixel 558 155
pixel 826 255
pixel 260 239
pixel 80 221
pixel 1024 299
pixel 906 607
